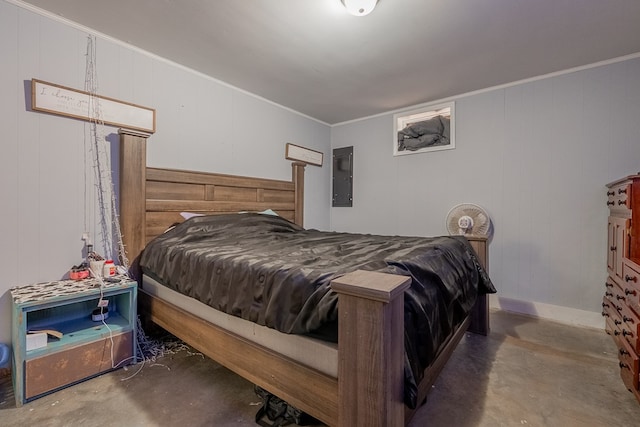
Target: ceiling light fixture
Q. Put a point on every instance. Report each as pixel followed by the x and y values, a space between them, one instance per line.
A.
pixel 359 7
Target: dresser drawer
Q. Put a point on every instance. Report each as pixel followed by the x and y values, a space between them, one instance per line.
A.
pixel 617 295
pixel 608 308
pixel 619 198
pixel 630 327
pixel 613 322
pixel 612 297
pixel 631 284
pixel 629 363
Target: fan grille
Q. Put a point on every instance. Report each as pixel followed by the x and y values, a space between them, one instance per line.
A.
pixel 481 220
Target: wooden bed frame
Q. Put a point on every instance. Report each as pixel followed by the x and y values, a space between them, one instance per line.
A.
pixel 369 388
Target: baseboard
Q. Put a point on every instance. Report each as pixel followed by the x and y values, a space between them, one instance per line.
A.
pixel 567 315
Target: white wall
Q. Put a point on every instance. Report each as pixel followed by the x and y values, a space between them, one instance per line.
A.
pixel 537 156
pixel 202 124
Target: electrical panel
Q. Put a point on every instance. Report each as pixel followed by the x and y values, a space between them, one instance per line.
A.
pixel 343 177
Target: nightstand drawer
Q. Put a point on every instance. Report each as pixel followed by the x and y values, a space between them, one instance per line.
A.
pixel 49 372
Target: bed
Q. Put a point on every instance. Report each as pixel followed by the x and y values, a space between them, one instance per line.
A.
pixel 366 384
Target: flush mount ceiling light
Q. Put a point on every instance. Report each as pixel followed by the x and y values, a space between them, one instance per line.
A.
pixel 359 7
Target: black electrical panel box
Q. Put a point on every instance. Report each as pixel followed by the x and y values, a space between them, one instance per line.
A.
pixel 343 177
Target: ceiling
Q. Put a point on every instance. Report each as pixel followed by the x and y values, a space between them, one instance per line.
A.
pixel 314 58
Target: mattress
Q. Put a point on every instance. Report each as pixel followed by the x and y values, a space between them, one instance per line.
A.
pixel 314 353
pixel 271 272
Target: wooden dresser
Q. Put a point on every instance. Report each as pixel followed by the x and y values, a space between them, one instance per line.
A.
pixel 621 302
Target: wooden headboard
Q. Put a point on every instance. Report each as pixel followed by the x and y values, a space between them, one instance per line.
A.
pixel 151 199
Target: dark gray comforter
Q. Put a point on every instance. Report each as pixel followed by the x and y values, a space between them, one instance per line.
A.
pixel 268 270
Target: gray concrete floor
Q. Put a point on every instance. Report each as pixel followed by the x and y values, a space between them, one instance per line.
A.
pixel 528 372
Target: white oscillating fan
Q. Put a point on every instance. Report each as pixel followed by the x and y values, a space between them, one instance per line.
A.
pixel 469 219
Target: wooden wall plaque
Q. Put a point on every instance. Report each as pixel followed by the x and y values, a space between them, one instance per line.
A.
pixel 65 101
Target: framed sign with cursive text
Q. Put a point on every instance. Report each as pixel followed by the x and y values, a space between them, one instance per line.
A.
pixel 64 101
pixel 303 154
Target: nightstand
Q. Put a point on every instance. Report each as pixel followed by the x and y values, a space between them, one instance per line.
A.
pixel 90 344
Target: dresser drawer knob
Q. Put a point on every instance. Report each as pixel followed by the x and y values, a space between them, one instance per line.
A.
pixel 616 332
pixel 613 248
pixel 618 322
pixel 624 366
pixel 611 193
pixel 629 291
pixel 608 285
pixel 622 191
pixel 604 304
pixel 619 297
pixel 628 319
pixel 622 202
pixel 611 203
pixel 605 314
pixel 628 278
pixel 608 294
pixel 623 352
pixel 625 333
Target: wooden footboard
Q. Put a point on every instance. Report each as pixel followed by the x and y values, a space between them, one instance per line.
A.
pixel 303 387
pixel 369 388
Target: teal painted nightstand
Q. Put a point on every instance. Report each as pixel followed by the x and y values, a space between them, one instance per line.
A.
pixel 87 347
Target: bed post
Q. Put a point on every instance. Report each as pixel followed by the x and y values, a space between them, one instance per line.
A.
pixel 370 348
pixel 298 183
pixel 133 166
pixel 480 313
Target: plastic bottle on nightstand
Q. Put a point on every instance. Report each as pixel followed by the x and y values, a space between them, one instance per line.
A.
pixel 109 268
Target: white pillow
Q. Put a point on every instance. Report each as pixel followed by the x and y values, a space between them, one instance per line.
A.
pixel 268 212
pixel 187 215
pixel 265 212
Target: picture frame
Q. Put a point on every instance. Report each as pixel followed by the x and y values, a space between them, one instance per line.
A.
pixel 429 128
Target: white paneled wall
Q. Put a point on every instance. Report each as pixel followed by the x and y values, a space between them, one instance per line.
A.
pixel 536 155
pixel 202 124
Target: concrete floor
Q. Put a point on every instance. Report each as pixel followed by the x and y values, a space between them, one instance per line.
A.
pixel 527 372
